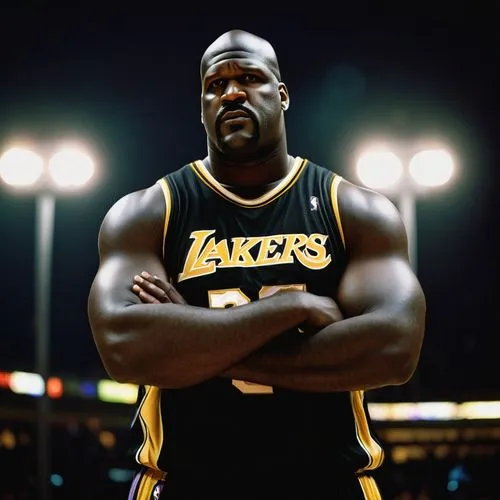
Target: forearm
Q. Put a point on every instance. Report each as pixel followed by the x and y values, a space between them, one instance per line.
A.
pixel 349 377
pixel 367 351
pixel 174 345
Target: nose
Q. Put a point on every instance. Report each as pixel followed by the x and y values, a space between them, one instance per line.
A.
pixel 233 93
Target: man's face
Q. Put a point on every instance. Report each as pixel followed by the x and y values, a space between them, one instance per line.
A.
pixel 241 106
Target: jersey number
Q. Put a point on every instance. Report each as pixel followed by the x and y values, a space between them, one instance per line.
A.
pixel 233 297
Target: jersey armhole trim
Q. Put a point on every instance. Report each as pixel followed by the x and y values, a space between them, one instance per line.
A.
pixel 335 204
pixel 168 206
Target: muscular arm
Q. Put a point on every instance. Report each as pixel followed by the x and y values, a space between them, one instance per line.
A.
pixel 379 342
pixel 168 345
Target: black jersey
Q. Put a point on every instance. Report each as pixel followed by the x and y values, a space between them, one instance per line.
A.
pixel 224 251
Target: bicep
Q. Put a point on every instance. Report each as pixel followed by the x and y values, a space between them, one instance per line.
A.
pixel 130 241
pixel 384 282
pixel 378 274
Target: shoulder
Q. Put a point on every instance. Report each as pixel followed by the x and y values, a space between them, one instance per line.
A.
pixel 141 213
pixel 313 167
pixel 370 219
pixel 183 174
pixel 136 216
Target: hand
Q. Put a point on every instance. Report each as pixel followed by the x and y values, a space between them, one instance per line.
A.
pixel 323 311
pixel 153 290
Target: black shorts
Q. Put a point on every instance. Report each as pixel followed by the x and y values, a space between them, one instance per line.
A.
pixel 153 485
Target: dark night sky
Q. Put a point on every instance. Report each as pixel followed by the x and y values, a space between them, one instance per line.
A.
pixel 127 85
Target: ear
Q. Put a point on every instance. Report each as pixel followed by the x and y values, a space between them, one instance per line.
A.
pixel 285 98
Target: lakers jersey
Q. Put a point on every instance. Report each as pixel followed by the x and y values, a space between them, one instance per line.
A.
pixel 225 251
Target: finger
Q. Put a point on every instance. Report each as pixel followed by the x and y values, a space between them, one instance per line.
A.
pixel 145 297
pixel 174 295
pixel 169 289
pixel 177 297
pixel 155 280
pixel 152 289
pixel 162 290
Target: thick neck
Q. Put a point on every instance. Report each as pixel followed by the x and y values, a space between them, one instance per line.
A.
pixel 260 174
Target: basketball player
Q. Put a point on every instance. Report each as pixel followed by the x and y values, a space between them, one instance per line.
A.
pixel 269 295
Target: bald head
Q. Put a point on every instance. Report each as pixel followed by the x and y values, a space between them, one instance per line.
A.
pixel 239 44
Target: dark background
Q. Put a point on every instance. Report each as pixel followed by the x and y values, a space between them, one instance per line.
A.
pixel 126 84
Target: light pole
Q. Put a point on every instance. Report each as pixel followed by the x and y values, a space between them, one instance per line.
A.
pixel 382 170
pixel 23 169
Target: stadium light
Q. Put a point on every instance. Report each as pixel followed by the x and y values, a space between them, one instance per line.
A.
pixel 23 169
pixel 432 168
pixel 381 169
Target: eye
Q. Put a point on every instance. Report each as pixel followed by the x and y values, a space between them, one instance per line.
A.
pixel 214 84
pixel 250 78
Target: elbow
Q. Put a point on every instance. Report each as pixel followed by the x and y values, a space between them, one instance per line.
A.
pixel 126 363
pixel 116 356
pixel 119 370
pixel 405 342
pixel 115 348
pixel 129 357
pixel 402 363
pixel 403 352
pixel 120 362
pixel 405 367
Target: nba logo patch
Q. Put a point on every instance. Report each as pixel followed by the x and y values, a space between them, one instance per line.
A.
pixel 313 203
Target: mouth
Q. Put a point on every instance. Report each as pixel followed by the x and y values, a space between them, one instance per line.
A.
pixel 237 115
pixel 236 120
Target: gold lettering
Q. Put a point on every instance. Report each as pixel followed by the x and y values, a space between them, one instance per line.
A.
pixel 268 246
pixel 316 244
pixel 205 254
pixel 221 252
pixel 240 256
pixel 194 266
pixel 293 242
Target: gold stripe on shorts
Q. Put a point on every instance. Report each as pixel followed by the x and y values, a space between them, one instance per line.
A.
pixel 369 487
pixel 149 481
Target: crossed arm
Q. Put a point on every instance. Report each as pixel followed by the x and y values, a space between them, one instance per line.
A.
pixel 177 345
pixel 379 341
